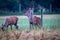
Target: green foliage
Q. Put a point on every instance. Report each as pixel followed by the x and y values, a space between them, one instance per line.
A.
pixel 8 4
pixel 25 3
pixel 13 5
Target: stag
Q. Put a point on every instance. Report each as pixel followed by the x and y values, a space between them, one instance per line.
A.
pixel 33 20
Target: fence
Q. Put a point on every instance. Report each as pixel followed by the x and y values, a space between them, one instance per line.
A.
pixel 48 21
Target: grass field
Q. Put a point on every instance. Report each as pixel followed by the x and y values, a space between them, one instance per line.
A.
pixel 51 20
pixel 23 23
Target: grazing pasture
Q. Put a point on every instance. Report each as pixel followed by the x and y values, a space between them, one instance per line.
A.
pixel 48 21
pixel 23 22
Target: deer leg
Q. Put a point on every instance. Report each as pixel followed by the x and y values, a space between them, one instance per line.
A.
pixel 35 27
pixel 31 26
pixel 16 26
pixel 38 26
pixel 7 28
pixel 11 27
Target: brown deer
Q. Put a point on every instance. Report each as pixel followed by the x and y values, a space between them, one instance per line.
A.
pixel 33 20
pixel 10 21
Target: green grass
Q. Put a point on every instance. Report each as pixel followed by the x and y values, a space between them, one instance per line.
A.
pixel 51 22
pixel 24 23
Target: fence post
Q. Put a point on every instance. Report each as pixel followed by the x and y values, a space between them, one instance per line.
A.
pixel 41 18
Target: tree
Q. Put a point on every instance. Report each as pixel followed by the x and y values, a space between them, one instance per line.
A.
pixel 8 4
